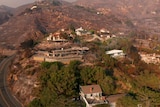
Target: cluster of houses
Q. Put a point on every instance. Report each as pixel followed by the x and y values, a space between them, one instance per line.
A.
pixel 92 96
pixel 66 55
pixel 74 53
pixel 101 35
pixel 150 58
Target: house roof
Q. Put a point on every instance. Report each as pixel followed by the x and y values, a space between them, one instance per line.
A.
pixel 89 89
pixel 114 98
pixel 114 51
pixel 55 34
pixel 80 29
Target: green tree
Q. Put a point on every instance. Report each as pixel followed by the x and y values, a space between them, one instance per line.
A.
pixel 146 88
pixel 47 65
pixel 63 82
pixel 27 44
pixel 58 85
pixel 132 52
pixel 109 62
pixel 148 79
pixel 92 75
pixel 71 27
pixel 108 85
pixel 127 101
pixel 148 96
pixel 87 75
pixel 100 74
pixel 35 103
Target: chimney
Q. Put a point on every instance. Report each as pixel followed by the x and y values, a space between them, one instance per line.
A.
pixel 91 89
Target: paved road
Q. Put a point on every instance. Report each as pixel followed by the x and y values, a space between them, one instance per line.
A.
pixel 6 98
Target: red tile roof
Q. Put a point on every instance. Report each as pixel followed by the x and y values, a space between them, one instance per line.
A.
pixel 89 89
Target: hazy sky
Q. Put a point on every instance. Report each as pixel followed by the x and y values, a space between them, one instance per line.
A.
pixel 16 3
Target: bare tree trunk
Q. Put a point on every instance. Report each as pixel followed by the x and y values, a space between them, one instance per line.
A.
pixel 148 103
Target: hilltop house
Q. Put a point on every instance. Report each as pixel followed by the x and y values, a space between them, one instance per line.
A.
pixel 116 53
pixel 80 32
pixel 56 37
pixel 34 7
pixel 92 95
pixel 104 31
pixel 64 55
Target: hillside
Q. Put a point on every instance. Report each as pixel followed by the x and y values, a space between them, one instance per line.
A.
pixel 144 14
pixel 128 7
pixel 5 8
pixel 45 84
pixel 5 14
pixel 49 17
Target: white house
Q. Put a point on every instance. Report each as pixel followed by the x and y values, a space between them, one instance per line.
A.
pixel 80 31
pixel 92 95
pixel 91 91
pixel 56 37
pixel 104 31
pixel 116 53
pixel 34 7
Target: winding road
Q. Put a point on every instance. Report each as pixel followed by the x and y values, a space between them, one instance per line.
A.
pixel 6 98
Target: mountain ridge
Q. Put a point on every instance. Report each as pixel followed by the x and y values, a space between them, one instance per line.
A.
pixel 128 7
pixel 5 13
pixel 143 14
